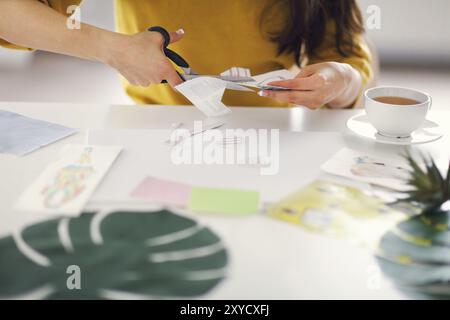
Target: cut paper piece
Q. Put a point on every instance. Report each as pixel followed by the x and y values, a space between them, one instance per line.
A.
pixel 66 184
pixel 164 192
pixel 337 210
pixel 20 135
pixel 117 254
pixel 181 134
pixel 261 80
pixel 237 72
pixel 391 172
pixel 206 94
pixel 224 201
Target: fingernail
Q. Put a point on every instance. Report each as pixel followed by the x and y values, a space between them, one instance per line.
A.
pixel 262 94
pixel 180 31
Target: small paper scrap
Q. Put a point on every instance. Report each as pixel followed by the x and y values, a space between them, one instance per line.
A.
pixel 224 201
pixel 163 192
pixel 66 184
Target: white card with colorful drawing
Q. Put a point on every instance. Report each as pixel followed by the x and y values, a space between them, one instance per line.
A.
pixel 66 184
pixel 391 172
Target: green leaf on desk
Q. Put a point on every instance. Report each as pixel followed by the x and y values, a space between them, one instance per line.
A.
pixel 112 255
pixel 224 201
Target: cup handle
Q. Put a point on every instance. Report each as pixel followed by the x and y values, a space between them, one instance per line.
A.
pixel 431 101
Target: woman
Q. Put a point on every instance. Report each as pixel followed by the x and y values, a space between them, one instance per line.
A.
pixel 324 37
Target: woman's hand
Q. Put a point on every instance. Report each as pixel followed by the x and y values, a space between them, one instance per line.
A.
pixel 335 84
pixel 141 60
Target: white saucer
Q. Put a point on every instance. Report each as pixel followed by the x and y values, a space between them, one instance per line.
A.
pixel 428 132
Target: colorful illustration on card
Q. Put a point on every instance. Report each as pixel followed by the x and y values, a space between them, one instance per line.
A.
pixel 66 184
pixel 69 182
pixel 365 166
pixel 386 172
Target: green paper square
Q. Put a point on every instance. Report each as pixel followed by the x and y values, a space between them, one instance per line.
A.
pixel 225 201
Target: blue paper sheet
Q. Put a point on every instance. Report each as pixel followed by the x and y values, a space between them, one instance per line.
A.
pixel 20 135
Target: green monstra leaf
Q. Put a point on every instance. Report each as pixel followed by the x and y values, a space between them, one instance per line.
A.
pixel 146 254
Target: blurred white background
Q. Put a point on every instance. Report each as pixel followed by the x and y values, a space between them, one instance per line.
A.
pixel 415 32
pixel 413 44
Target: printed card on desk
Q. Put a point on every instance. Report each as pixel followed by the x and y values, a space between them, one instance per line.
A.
pixel 337 210
pixel 67 183
pixel 390 173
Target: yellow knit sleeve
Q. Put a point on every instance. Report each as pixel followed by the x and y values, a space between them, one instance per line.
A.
pixel 361 58
pixel 8 45
pixel 58 5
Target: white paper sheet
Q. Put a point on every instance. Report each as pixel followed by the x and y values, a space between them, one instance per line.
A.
pixel 67 183
pixel 206 94
pixel 261 80
pixel 20 135
pixel 386 172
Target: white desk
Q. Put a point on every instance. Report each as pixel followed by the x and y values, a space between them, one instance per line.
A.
pixel 269 259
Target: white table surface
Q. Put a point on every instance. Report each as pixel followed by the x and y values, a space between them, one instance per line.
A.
pixel 269 259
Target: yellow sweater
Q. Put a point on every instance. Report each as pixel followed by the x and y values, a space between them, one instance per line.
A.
pixel 219 35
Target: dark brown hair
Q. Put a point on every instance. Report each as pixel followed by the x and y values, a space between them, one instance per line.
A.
pixel 305 25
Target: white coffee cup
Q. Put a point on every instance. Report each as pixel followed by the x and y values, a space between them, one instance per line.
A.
pixel 396 121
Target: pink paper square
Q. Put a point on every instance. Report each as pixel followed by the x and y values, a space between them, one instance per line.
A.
pixel 165 192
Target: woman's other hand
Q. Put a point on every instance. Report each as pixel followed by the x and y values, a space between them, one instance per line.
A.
pixel 335 84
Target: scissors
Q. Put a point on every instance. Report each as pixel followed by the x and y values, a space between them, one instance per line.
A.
pixel 188 72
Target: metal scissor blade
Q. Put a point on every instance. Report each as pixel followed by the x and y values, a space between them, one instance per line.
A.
pixel 225 78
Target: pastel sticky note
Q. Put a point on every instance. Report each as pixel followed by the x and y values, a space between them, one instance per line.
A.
pixel 225 201
pixel 163 191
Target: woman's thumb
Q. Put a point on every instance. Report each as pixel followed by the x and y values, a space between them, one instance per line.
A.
pixel 306 71
pixel 176 36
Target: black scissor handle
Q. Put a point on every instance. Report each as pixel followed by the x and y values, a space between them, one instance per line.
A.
pixel 172 55
pixel 163 32
pixel 175 57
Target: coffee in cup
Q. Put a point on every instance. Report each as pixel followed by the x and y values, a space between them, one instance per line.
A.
pixel 396 112
pixel 398 101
